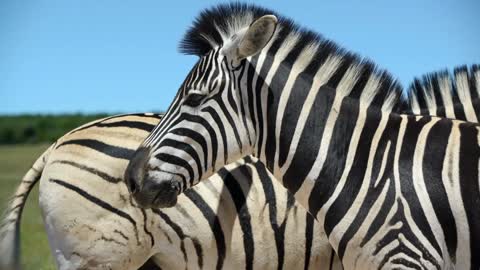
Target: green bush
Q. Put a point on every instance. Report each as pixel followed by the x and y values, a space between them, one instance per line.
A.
pixel 40 128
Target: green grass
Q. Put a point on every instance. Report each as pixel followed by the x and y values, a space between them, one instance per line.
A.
pixel 15 160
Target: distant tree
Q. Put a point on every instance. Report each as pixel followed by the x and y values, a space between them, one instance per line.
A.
pixel 40 128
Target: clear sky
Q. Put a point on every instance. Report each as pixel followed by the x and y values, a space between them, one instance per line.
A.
pixel 121 56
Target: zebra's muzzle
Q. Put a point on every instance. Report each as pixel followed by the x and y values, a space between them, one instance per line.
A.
pixel 157 194
pixel 157 190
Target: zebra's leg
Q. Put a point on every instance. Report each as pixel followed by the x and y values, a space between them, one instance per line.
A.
pixel 89 230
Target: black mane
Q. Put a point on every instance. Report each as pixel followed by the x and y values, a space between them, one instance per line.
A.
pixel 211 22
pixel 431 90
pixel 214 25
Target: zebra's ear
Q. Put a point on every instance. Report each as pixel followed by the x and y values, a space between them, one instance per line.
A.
pixel 252 40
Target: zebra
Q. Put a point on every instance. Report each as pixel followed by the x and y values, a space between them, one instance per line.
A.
pixel 235 220
pixel 135 127
pixel 391 190
pixel 96 138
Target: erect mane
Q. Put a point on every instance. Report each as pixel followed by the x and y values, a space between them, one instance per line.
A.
pixel 213 26
pixel 433 92
pixel 216 25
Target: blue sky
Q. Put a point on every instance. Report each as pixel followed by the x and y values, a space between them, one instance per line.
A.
pixel 121 56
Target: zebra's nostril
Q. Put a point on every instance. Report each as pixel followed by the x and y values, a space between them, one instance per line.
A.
pixel 132 186
pixel 176 186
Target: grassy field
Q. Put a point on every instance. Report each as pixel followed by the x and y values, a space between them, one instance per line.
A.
pixel 15 160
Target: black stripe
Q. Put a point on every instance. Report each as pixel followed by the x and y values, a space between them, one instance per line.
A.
pixel 16 207
pixel 198 250
pixel 262 74
pixel 374 192
pixel 107 149
pixel 21 195
pixel 178 230
pixel 332 259
pixel 96 201
pixel 392 236
pixel 197 137
pixel 408 264
pixel 459 111
pixel 279 81
pixel 30 185
pixel 308 239
pixel 121 234
pixel 309 144
pixel 171 159
pixel 348 194
pixel 105 176
pixel 230 179
pixel 469 186
pixel 381 217
pixel 152 241
pixel 302 87
pixel 214 223
pixel 229 119
pixel 439 101
pixel 128 124
pixel 210 130
pixel 154 116
pixel 271 200
pixel 434 156
pixel 407 152
pixel 472 83
pixel 250 92
pixel 220 125
pixel 458 108
pixel 243 104
pixel 186 147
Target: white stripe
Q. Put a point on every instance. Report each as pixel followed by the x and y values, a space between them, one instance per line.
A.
pixel 415 107
pixel 430 99
pixel 384 163
pixel 451 182
pixel 463 90
pixel 445 85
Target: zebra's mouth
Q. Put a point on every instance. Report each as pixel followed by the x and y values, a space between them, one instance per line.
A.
pixel 158 192
pixel 161 202
pixel 167 196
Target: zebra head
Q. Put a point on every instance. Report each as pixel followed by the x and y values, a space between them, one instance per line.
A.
pixel 206 126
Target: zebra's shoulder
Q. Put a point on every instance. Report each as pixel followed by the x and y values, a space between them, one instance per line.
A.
pixel 445 93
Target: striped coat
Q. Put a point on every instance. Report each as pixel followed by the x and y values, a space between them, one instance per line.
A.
pixel 92 223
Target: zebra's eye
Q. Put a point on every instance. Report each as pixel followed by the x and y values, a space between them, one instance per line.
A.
pixel 194 100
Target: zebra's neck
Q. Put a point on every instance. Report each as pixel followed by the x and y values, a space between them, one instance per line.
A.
pixel 307 120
